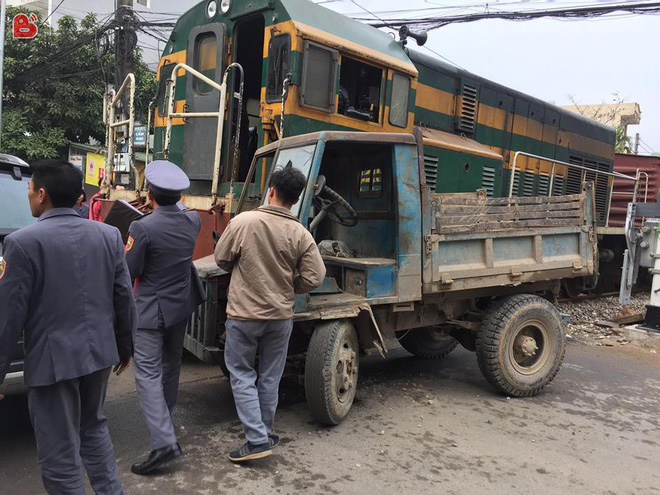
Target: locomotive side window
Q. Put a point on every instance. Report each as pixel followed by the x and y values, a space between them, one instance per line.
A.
pixel 206 61
pixel 319 79
pixel 399 100
pixel 278 66
pixel 359 90
pixel 371 183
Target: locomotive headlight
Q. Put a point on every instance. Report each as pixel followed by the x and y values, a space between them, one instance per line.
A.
pixel 211 9
pixel 224 6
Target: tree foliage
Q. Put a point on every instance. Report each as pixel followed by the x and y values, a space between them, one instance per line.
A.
pixel 50 100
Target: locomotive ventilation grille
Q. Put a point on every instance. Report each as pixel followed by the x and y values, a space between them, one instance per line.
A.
pixel 574 182
pixel 467 115
pixel 516 182
pixel 528 184
pixel 431 171
pixel 558 186
pixel 488 180
pixel 544 184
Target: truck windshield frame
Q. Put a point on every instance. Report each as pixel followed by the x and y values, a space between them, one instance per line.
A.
pixel 302 158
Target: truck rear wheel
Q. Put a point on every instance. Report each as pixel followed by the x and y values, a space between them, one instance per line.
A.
pixel 521 345
pixel 428 342
pixel 331 371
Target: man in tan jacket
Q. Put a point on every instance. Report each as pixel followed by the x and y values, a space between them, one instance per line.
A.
pixel 272 257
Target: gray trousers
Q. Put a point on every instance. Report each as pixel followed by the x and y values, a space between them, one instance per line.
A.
pixel 256 400
pixel 71 431
pixel 157 364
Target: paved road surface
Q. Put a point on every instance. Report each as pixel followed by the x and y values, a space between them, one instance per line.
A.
pixel 416 427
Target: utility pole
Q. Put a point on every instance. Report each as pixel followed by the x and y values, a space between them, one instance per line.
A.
pixel 636 146
pixel 124 40
pixel 3 14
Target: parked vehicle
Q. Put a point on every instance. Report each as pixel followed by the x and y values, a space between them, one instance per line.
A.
pixel 14 214
pixel 429 269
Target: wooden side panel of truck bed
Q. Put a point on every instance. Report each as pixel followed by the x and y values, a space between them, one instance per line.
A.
pixel 476 242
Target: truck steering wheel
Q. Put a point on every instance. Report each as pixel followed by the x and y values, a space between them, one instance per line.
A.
pixel 330 204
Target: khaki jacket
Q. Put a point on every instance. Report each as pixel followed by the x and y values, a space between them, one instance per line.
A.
pixel 272 257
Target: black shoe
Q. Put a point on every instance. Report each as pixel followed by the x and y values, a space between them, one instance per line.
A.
pixel 157 458
pixel 250 452
pixel 273 440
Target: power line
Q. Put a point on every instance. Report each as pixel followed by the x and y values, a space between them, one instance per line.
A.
pixel 86 37
pixel 429 49
pixel 443 57
pixel 646 145
pixel 591 11
pixel 52 12
pixel 153 35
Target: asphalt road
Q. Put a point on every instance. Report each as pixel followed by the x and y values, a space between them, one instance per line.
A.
pixel 416 427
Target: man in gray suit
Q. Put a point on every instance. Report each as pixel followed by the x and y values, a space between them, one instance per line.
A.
pixel 159 253
pixel 65 283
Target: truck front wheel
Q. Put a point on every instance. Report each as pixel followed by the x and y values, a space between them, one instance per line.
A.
pixel 428 342
pixel 521 345
pixel 331 371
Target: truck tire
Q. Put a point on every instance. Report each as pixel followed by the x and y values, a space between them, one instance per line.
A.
pixel 331 371
pixel 521 345
pixel 428 342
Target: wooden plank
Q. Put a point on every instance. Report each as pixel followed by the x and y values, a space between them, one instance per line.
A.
pixel 461 200
pixel 619 322
pixel 506 208
pixel 522 224
pixel 474 219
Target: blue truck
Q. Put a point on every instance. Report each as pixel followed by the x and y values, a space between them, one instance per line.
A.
pixel 409 267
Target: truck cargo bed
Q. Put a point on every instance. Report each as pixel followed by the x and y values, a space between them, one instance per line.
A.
pixel 476 242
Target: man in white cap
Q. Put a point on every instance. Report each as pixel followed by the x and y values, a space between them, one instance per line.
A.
pixel 159 253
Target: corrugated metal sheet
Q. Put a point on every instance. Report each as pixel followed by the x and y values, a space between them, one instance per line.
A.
pixel 623 189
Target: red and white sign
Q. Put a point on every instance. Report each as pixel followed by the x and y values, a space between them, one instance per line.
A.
pixel 25 26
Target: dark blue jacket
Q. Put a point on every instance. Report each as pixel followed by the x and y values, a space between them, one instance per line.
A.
pixel 159 253
pixel 66 283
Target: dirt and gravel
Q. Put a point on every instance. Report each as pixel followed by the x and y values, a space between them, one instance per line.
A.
pixel 423 427
pixel 584 315
pixel 417 426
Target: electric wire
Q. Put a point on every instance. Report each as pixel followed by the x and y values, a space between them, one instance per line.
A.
pixel 646 146
pixel 424 46
pixel 588 11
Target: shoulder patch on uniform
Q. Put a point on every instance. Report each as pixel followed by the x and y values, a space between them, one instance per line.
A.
pixel 3 268
pixel 129 243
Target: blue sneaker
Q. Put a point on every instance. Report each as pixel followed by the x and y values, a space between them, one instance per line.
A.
pixel 250 452
pixel 273 440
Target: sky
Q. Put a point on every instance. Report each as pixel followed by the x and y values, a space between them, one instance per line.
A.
pixel 587 59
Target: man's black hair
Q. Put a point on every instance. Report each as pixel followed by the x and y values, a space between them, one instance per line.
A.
pixel 62 181
pixel 164 200
pixel 289 183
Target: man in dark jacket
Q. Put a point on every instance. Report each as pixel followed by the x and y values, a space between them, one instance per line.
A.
pixel 159 253
pixel 72 339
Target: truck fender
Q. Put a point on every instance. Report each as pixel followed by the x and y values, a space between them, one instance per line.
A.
pixel 369 334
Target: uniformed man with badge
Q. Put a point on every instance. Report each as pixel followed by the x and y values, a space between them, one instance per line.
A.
pixel 159 253
pixel 64 283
